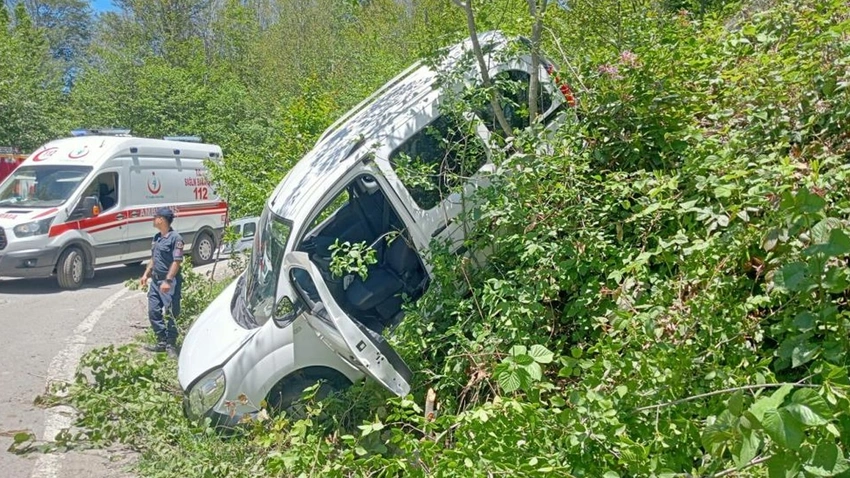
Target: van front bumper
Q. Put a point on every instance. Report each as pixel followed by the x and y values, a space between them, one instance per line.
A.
pixel 29 263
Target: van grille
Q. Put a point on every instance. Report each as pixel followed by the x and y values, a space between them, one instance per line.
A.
pixel 2 239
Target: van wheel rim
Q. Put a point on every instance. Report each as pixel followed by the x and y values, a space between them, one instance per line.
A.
pixel 77 268
pixel 205 249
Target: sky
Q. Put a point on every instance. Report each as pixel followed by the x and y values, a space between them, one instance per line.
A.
pixel 102 5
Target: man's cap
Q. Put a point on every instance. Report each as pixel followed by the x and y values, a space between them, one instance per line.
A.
pixel 165 212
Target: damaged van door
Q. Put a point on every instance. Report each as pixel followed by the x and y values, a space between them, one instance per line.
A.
pixel 358 345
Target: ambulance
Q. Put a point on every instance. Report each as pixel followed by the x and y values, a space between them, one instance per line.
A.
pixel 79 203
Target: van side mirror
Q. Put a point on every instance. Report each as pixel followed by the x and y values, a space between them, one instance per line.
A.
pixel 285 312
pixel 91 208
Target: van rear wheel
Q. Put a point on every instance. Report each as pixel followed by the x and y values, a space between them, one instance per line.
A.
pixel 203 249
pixel 71 268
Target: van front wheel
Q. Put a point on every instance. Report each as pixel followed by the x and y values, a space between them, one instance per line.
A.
pixel 71 268
pixel 202 251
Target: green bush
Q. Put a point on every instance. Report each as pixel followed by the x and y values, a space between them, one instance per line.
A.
pixel 667 294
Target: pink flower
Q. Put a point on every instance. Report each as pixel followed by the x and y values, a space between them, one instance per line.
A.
pixel 610 70
pixel 628 58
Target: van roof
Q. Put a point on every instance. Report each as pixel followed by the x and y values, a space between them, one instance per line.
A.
pixel 96 150
pixel 336 151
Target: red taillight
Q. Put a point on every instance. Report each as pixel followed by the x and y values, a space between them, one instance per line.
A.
pixel 565 88
pixel 568 94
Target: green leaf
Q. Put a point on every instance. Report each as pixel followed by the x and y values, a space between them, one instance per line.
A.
pixel 21 437
pixel 836 280
pixel 541 354
pixel 534 370
pixel 820 232
pixel 809 408
pixel 717 434
pixel 792 277
pixel 509 380
pixel 804 321
pixel 724 190
pixel 736 403
pixel 808 203
pixel 523 360
pixel 837 245
pixel 770 403
pixel 783 428
pixel 783 465
pixel 803 353
pixel 518 350
pixel 827 460
pixel 747 449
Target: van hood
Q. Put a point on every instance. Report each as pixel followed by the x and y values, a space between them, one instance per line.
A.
pixel 12 216
pixel 211 340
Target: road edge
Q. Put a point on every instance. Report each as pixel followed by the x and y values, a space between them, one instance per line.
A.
pixel 62 368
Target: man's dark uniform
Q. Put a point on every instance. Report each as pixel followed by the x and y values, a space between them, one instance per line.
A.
pixel 162 306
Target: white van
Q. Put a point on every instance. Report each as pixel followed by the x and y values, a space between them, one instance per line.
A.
pixel 244 230
pixel 289 321
pixel 82 202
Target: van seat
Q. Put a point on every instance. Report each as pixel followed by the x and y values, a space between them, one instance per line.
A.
pixel 399 271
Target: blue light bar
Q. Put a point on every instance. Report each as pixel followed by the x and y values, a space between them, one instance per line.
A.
pixel 101 132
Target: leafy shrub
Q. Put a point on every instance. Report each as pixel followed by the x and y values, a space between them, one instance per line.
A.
pixel 667 293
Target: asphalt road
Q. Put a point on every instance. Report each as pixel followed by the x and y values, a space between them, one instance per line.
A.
pixel 44 331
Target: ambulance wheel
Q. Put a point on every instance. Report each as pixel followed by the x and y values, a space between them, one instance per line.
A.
pixel 71 268
pixel 203 249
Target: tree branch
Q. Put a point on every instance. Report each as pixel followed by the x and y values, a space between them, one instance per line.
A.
pixel 719 392
pixel 755 462
pixel 536 31
pixel 482 65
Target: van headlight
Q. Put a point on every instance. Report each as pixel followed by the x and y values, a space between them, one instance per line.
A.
pixel 35 228
pixel 206 393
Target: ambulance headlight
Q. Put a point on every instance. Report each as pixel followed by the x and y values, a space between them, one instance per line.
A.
pixel 205 393
pixel 35 228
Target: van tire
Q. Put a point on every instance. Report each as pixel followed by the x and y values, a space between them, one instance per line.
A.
pixel 203 250
pixel 71 268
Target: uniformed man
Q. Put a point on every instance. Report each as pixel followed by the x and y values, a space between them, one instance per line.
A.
pixel 163 272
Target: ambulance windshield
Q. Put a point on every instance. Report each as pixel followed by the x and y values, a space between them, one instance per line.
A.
pixel 41 186
pixel 255 295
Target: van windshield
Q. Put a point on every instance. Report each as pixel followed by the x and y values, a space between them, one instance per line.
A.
pixel 255 295
pixel 41 186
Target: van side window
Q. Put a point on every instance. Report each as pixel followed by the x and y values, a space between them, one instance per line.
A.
pixel 513 87
pixel 249 229
pixel 105 188
pixel 437 160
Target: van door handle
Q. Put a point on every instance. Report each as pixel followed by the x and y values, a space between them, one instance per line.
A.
pixel 119 216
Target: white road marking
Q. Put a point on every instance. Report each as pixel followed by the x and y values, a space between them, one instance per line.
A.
pixel 62 369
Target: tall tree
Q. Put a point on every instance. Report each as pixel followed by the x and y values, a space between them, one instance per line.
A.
pixel 30 88
pixel 66 25
pixel 171 29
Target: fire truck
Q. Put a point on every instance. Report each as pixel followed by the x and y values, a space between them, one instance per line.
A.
pixel 10 158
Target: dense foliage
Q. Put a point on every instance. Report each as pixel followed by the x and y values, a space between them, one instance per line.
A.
pixel 668 293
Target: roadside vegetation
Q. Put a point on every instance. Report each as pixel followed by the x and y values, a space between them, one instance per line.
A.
pixel 668 292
